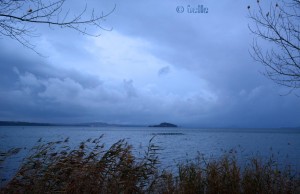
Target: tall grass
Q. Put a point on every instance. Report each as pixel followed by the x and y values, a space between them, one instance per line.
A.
pixel 55 167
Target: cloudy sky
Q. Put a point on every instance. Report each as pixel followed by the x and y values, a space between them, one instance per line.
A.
pixel 156 65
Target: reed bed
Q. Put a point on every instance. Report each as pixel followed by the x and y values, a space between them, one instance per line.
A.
pixel 55 167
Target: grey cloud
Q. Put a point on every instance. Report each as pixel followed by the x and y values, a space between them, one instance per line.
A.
pixel 129 88
pixel 164 71
pixel 213 47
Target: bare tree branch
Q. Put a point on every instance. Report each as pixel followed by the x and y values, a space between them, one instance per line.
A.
pixel 280 26
pixel 18 17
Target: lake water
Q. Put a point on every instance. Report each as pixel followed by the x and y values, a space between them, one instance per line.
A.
pixel 178 144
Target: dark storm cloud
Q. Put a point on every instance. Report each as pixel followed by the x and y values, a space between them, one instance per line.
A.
pixel 164 71
pixel 156 65
pixel 33 90
pixel 215 45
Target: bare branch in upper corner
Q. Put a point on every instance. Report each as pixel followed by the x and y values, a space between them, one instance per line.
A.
pixel 279 25
pixel 18 18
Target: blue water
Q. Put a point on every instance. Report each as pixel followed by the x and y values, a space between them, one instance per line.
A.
pixel 177 144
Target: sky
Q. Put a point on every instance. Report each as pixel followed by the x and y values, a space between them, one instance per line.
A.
pixel 159 63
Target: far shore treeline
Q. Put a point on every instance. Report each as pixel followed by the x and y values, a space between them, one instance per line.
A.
pixel 91 124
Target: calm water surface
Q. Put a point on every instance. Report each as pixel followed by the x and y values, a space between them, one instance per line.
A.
pixel 178 144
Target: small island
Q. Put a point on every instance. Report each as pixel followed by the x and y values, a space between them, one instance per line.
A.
pixel 164 125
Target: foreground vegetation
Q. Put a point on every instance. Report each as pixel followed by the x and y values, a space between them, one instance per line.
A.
pixel 55 167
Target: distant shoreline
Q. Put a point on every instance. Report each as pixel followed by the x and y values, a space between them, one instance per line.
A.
pixel 96 124
pixel 102 124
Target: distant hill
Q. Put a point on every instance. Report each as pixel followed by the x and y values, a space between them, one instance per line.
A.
pixel 164 125
pixel 92 124
pixel 20 123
